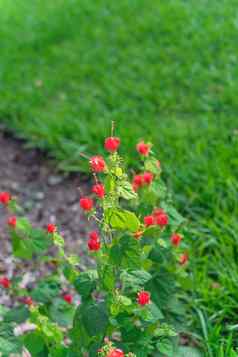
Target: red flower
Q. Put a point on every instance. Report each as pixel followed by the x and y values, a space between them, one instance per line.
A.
pixel 86 203
pixel 5 197
pixel 138 234
pixel 143 297
pixel 12 221
pixel 183 259
pixel 138 180
pixel 94 245
pixel 51 228
pixel 68 298
pixel 97 163
pixel 27 300
pixel 5 282
pixel 94 241
pixel 161 218
pixel 94 235
pixel 112 143
pixel 148 178
pixel 115 353
pixel 176 239
pixel 148 220
pixel 99 190
pixel 143 149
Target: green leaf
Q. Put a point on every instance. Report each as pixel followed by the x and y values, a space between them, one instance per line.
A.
pixel 3 311
pixel 166 347
pixel 124 300
pixel 155 313
pixel 95 318
pixel 126 253
pixel 17 315
pixel 46 290
pixel 62 312
pixel 188 352
pixel 58 240
pixel 9 346
pixel 122 219
pixel 86 283
pixel 40 241
pixel 21 247
pixel 126 191
pixel 26 242
pixel 107 277
pixel 135 279
pixel 8 342
pixel 151 164
pixel 34 342
pixel 23 225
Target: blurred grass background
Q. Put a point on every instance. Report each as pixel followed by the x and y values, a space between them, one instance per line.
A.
pixel 165 71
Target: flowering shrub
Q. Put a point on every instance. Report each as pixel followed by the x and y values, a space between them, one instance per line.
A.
pixel 128 305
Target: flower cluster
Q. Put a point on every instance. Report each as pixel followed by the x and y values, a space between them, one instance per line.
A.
pixel 158 217
pixel 132 220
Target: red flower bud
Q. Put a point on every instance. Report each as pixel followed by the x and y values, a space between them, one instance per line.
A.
pixel 86 203
pixel 112 143
pixel 162 220
pixel 143 149
pixel 176 239
pixel 99 190
pixel 97 163
pixel 68 298
pixel 143 298
pixel 5 282
pixel 158 164
pixel 51 228
pixel 148 220
pixel 115 353
pixel 138 180
pixel 12 221
pixel 183 259
pixel 148 178
pixel 5 197
pixel 27 300
pixel 94 245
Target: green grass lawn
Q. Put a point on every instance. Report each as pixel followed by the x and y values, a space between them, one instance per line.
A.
pixel 165 71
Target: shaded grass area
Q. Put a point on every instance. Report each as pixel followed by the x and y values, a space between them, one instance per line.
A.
pixel 166 72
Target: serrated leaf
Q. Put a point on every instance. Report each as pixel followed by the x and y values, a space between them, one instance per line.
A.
pixel 135 279
pixel 122 219
pixel 95 318
pixel 17 315
pixel 126 191
pixel 166 347
pixel 46 290
pixel 62 312
pixel 126 253
pixel 86 283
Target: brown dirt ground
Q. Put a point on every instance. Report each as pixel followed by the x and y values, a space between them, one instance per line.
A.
pixel 46 195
